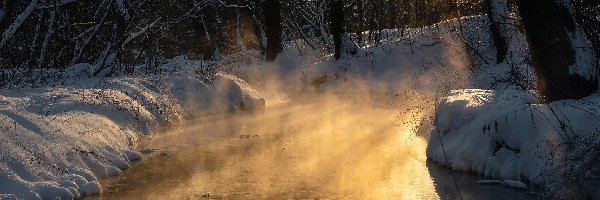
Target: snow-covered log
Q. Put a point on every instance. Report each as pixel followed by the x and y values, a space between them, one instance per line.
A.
pixel 133 36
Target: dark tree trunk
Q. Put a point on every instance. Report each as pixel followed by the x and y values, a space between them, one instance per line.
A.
pixel 337 25
pixel 361 14
pixel 498 36
pixel 548 24
pixel 272 14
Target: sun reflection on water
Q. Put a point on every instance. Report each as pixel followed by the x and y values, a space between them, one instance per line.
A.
pixel 326 148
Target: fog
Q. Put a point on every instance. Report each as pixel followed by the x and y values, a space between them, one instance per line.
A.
pixel 324 146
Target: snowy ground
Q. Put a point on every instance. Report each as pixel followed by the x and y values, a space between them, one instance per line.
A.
pixel 505 135
pixel 430 60
pixel 58 141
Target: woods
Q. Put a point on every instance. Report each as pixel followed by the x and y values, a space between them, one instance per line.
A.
pixel 117 35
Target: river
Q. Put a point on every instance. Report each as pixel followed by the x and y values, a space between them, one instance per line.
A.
pixel 312 149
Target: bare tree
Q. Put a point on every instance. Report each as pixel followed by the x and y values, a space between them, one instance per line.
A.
pixel 337 25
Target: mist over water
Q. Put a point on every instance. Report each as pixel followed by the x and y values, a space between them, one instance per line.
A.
pixel 318 145
pixel 332 147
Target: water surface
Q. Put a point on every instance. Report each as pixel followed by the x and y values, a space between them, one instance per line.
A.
pixel 326 149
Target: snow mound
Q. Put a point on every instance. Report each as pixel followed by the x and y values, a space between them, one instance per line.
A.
pixel 505 135
pixel 250 98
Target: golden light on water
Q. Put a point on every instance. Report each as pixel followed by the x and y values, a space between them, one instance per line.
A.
pixel 325 148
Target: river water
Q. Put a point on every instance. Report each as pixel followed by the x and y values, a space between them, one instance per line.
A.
pixel 317 149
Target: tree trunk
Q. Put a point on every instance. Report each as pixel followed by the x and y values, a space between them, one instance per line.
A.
pixel 549 25
pixel 361 14
pixel 497 11
pixel 337 25
pixel 272 13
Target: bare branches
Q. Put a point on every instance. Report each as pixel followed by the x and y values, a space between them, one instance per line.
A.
pixel 8 34
pixel 81 48
pixel 136 31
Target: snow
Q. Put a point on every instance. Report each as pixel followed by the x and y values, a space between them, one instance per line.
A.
pixel 514 184
pixel 395 65
pixel 59 141
pixel 507 183
pixel 505 134
pixel 499 130
pixel 585 63
pixel 122 9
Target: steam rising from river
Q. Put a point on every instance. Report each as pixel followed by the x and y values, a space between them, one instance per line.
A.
pixel 324 146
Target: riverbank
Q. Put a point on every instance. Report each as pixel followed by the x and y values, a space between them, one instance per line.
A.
pixel 507 135
pixel 58 141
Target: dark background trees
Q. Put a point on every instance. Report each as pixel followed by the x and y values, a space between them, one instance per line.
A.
pixel 114 36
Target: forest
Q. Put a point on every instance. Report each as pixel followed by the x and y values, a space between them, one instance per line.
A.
pixel 115 35
pixel 40 36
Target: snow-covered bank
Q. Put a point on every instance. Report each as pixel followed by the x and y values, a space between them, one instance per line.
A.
pixel 505 135
pixel 58 141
